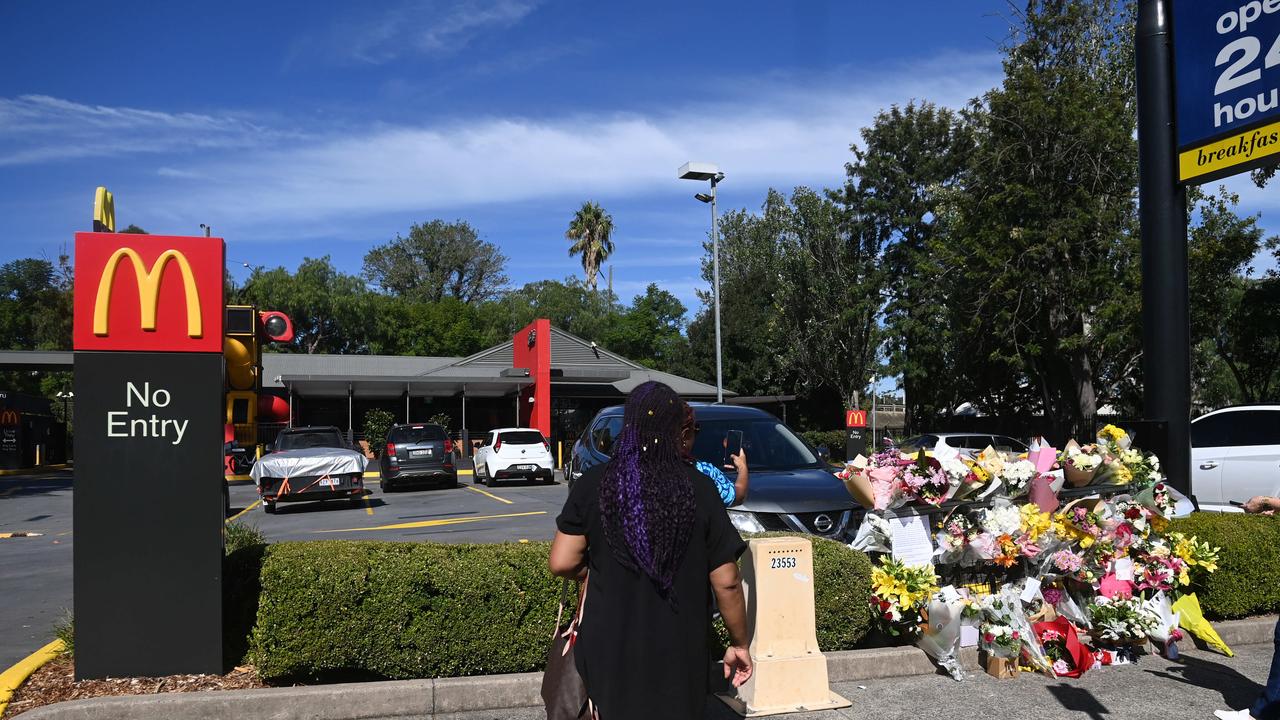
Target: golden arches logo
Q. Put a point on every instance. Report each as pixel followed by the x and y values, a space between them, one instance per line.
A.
pixel 9 417
pixel 148 290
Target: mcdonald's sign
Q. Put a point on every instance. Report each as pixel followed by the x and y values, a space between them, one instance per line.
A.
pixel 855 418
pixel 148 293
pixel 9 418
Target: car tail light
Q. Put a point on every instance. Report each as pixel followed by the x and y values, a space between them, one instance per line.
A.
pixel 448 446
pixel 497 445
pixel 546 445
pixel 391 449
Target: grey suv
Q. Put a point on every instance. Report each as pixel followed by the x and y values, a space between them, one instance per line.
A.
pixel 417 453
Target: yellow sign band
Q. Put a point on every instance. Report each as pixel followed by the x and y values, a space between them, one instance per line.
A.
pixel 1229 152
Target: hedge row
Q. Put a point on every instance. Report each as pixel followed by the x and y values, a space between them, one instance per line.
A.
pixel 348 610
pixel 1248 578
pixel 833 439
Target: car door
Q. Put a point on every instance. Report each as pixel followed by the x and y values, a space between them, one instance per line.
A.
pixel 1210 435
pixel 482 454
pixel 1253 461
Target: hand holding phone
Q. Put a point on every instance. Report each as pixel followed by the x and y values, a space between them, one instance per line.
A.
pixel 1237 503
pixel 732 446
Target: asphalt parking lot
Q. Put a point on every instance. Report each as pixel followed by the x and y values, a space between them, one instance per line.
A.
pixel 35 571
pixel 466 512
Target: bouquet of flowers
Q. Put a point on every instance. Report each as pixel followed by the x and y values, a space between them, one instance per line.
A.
pixel 1199 556
pixel 953 538
pixel 1000 640
pixel 1061 643
pixel 1016 477
pixel 900 592
pixel 1080 463
pixel 1122 620
pixel 925 480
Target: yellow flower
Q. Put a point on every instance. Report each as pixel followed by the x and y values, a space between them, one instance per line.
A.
pixel 1034 522
pixel 1159 524
pixel 1112 433
pixel 1123 475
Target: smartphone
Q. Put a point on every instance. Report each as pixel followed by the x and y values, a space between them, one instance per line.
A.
pixel 1237 503
pixel 732 446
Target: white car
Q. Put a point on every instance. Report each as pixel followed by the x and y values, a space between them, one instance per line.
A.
pixel 514 453
pixel 1235 455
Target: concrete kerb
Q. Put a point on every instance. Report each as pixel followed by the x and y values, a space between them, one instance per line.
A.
pixel 424 698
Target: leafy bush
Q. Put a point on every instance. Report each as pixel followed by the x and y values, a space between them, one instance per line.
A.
pixel 242 535
pixel 833 439
pixel 442 419
pixel 1248 578
pixel 377 423
pixel 346 610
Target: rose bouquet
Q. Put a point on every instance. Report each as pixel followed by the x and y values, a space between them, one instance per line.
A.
pixel 1061 643
pixel 900 592
pixel 1000 640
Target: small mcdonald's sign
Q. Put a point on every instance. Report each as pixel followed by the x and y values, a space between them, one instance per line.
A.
pixel 855 418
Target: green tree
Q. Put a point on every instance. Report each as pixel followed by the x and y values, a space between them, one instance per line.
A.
pixel 591 232
pixel 569 304
pixel 909 157
pixel 1039 251
pixel 438 260
pixel 329 309
pixel 651 331
pixel 448 328
pixel 35 314
pixel 135 230
pixel 377 423
pixel 750 290
pixel 1249 339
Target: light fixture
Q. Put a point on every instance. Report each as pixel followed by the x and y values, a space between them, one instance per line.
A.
pixel 703 197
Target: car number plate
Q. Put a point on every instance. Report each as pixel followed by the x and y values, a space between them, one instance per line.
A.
pixel 527 467
pixel 420 453
pixel 330 482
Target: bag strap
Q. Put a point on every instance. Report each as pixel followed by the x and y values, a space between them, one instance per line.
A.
pixel 582 599
pixel 564 595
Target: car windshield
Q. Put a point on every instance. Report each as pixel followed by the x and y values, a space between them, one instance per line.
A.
pixel 521 437
pixel 769 444
pixel 416 434
pixel 310 439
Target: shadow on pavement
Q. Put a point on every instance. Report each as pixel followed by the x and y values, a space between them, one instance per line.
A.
pixel 1076 699
pixel 341 505
pixel 1237 690
pixel 26 485
pixel 438 515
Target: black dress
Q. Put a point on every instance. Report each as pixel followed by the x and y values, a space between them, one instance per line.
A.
pixel 639 657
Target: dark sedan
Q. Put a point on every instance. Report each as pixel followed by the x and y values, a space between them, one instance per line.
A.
pixel 791 488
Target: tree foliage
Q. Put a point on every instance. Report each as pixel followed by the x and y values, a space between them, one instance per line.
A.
pixel 438 260
pixel 591 234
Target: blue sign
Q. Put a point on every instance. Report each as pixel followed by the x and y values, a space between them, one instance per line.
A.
pixel 1227 70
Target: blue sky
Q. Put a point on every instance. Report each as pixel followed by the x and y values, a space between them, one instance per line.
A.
pixel 303 129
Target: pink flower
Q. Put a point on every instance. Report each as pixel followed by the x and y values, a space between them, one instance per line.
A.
pixel 1060 667
pixel 988 638
pixel 1053 596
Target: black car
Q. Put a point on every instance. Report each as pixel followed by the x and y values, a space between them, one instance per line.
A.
pixel 792 488
pixel 417 453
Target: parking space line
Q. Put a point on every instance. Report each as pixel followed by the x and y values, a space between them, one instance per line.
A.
pixel 254 505
pixel 435 523
pixel 372 474
pixel 486 493
pixel 466 472
pixel 368 505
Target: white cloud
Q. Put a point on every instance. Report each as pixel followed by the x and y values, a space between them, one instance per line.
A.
pixel 770 135
pixel 426 27
pixel 38 129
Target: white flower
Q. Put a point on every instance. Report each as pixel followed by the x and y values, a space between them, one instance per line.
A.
pixel 1019 472
pixel 1085 462
pixel 1003 520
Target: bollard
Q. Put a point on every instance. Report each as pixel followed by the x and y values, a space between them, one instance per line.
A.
pixel 790 671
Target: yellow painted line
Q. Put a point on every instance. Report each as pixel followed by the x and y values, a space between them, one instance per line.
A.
pixel 466 472
pixel 436 523
pixel 368 506
pixel 486 493
pixel 238 477
pixel 34 470
pixel 237 515
pixel 13 678
pixel 372 474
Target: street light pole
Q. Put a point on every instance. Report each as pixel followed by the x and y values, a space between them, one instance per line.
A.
pixel 873 414
pixel 715 270
pixel 709 171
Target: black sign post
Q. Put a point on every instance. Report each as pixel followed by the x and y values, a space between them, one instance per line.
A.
pixel 148 514
pixel 855 442
pixel 1162 207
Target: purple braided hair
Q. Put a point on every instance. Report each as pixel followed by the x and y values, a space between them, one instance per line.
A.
pixel 646 499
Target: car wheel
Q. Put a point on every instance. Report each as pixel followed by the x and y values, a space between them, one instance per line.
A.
pixel 478 478
pixel 269 508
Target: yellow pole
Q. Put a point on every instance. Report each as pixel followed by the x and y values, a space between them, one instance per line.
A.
pixel 37 456
pixel 560 454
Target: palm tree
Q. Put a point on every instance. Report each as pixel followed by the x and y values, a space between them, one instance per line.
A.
pixel 591 232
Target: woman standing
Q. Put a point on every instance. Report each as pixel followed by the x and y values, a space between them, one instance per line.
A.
pixel 655 537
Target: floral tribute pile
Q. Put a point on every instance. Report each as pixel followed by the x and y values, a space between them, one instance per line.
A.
pixel 1081 585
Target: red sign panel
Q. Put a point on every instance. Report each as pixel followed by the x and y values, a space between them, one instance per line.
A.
pixel 855 418
pixel 148 292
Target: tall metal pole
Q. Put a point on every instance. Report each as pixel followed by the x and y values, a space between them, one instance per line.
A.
pixel 715 265
pixel 1162 209
pixel 874 447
